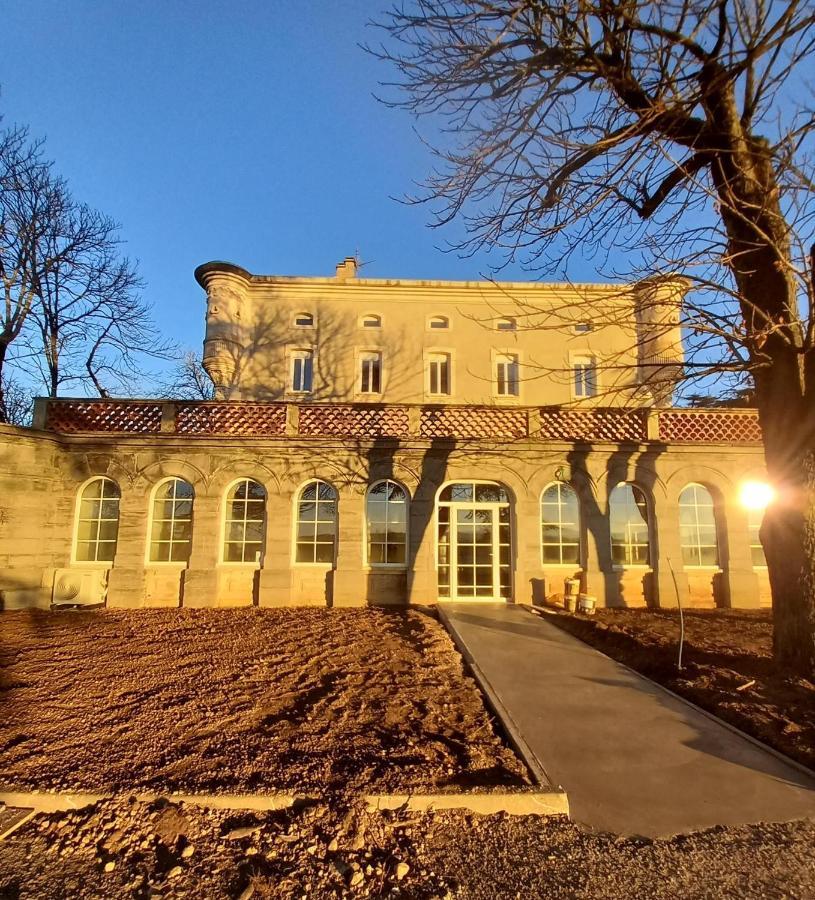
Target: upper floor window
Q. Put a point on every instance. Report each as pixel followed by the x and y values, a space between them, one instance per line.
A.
pixel 301 371
pixel 697 527
pixel 304 320
pixel 754 520
pixel 584 376
pixel 97 524
pixel 628 522
pixel 506 324
pixel 507 371
pixel 371 321
pixel 171 529
pixel 244 520
pixel 560 525
pixel 386 509
pixel 370 373
pixel 438 373
pixel 438 322
pixel 583 327
pixel 316 523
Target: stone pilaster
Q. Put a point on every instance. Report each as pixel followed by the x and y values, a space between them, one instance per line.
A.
pixel 126 580
pixel 350 586
pixel 275 579
pixel 670 581
pixel 740 583
pixel 200 580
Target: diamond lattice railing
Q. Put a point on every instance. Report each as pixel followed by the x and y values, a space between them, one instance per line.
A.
pixel 710 426
pixel 592 424
pixel 473 422
pixel 110 416
pixel 239 419
pixel 354 421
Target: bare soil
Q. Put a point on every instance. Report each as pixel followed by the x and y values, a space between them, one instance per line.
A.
pixel 127 849
pixel 727 667
pixel 306 700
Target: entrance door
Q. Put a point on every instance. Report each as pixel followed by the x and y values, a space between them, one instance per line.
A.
pixel 474 542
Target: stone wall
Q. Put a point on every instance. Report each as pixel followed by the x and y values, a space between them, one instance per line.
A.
pixel 42 472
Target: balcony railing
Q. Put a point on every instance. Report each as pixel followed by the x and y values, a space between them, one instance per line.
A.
pixel 373 421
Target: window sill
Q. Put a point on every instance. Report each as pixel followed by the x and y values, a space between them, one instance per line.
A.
pixel 637 567
pixel 165 564
pixel 92 564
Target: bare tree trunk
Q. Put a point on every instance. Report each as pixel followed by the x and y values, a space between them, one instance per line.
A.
pixel 3 351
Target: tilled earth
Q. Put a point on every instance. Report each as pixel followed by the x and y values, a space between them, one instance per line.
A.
pixel 727 667
pixel 236 700
pixel 124 848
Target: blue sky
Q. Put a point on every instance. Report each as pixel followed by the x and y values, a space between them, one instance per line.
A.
pixel 244 131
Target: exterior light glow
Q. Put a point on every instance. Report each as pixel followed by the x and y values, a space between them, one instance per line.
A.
pixel 756 494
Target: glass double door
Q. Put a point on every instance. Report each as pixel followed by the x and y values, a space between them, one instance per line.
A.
pixel 474 551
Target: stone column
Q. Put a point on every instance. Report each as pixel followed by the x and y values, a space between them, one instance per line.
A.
pixel 740 583
pixel 350 583
pixel 200 582
pixel 126 580
pixel 274 586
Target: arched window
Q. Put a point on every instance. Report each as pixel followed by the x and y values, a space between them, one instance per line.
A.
pixel 560 524
pixel 97 523
pixel 244 520
pixel 171 529
pixel 628 514
pixel 697 527
pixel 386 516
pixel 371 321
pixel 438 323
pixel 754 519
pixel 316 523
pixel 304 320
pixel 506 324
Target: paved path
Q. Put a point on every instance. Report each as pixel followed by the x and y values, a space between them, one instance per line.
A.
pixel 632 758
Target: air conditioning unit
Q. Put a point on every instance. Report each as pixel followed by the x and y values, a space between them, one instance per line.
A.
pixel 80 587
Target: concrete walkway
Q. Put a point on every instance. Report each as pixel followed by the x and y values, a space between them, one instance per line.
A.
pixel 632 758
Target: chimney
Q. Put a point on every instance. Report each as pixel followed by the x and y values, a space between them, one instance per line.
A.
pixel 347 268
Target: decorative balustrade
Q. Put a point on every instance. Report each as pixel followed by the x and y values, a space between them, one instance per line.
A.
pixel 373 421
pixel 715 426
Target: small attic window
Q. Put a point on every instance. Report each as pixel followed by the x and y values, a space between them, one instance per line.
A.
pixel 438 322
pixel 507 324
pixel 371 321
pixel 304 320
pixel 583 327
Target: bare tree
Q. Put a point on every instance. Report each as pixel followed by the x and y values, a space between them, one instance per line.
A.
pixel 677 135
pixel 188 380
pixel 17 403
pixel 31 199
pixel 70 296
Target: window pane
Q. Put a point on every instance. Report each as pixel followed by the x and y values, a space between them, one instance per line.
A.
pixel 324 553
pixel 305 553
pixel 106 551
pixel 160 552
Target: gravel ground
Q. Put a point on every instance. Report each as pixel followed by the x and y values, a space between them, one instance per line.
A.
pixel 127 849
pixel 309 700
pixel 727 667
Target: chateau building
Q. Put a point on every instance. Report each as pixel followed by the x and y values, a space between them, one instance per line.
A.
pixel 393 441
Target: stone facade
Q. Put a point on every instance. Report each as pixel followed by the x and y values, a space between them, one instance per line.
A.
pixel 393 442
pixel 42 473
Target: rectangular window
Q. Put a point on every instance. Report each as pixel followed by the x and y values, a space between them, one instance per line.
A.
pixel 438 373
pixel 584 372
pixel 507 372
pixel 370 373
pixel 302 371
